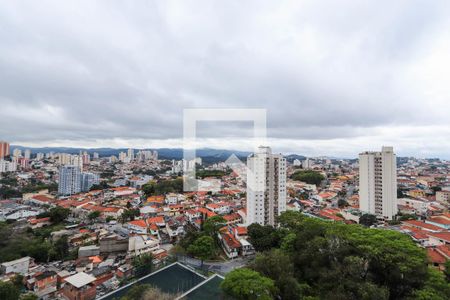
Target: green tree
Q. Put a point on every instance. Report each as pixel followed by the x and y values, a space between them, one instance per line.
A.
pixel 61 248
pixel 212 225
pixel 17 280
pixel 247 284
pixel 93 215
pixel 308 176
pixel 278 266
pixel 58 214
pixel 435 287
pixel 143 264
pixel 28 296
pixel 447 270
pixel 342 203
pixel 262 237
pixel 8 291
pixel 129 215
pixel 203 248
pixel 367 220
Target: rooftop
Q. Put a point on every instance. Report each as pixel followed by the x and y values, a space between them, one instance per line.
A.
pixel 80 279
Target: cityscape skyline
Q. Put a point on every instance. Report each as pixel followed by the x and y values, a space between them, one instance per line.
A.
pixel 371 76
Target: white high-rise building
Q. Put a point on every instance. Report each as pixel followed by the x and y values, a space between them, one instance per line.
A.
pixel 7 166
pixel 378 183
pixel 27 154
pixel 69 180
pixel 131 154
pixel 266 186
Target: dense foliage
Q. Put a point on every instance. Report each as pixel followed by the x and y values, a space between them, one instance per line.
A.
pixel 211 173
pixel 248 284
pixel 308 176
pixel 203 244
pixel 143 264
pixel 35 243
pixel 163 187
pixel 8 291
pixel 309 258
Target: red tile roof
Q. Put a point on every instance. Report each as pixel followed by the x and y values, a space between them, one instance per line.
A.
pixel 421 224
pixel 435 257
pixel 139 223
pixel 230 241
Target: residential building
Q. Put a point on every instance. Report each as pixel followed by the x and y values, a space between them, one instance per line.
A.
pixel 19 266
pixel 79 286
pixel 266 186
pixel 27 154
pixel 7 166
pixel 4 149
pixel 378 183
pixel 131 154
pixel 69 180
pixel 88 180
pixel 443 197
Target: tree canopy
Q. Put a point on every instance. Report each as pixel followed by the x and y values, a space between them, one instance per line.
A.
pixel 308 176
pixel 308 257
pixel 162 187
pixel 247 284
pixel 203 247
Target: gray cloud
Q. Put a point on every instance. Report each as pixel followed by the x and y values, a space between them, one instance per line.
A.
pixel 326 71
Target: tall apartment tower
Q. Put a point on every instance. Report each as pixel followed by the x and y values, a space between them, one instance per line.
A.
pixel 131 154
pixel 4 149
pixel 266 186
pixel 69 180
pixel 378 183
pixel 88 180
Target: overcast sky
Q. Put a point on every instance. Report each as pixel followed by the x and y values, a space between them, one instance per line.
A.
pixel 336 77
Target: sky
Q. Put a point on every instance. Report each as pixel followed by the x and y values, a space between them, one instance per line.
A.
pixel 335 77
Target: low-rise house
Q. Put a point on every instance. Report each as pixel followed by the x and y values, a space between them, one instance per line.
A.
pixel 39 222
pixel 113 243
pixel 438 256
pixel 79 287
pixel 232 219
pixel 45 284
pixel 87 251
pixel 440 221
pixel 439 238
pixel 218 208
pixel 246 248
pixel 20 266
pixel 230 245
pixel 139 244
pixel 124 271
pixel 422 225
pixel 138 226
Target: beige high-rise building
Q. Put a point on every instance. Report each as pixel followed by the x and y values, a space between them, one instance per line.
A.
pixel 378 183
pixel 266 186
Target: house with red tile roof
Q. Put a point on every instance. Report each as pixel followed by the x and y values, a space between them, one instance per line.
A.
pixel 422 225
pixel 436 259
pixel 229 244
pixel 232 218
pixel 439 238
pixel 138 226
